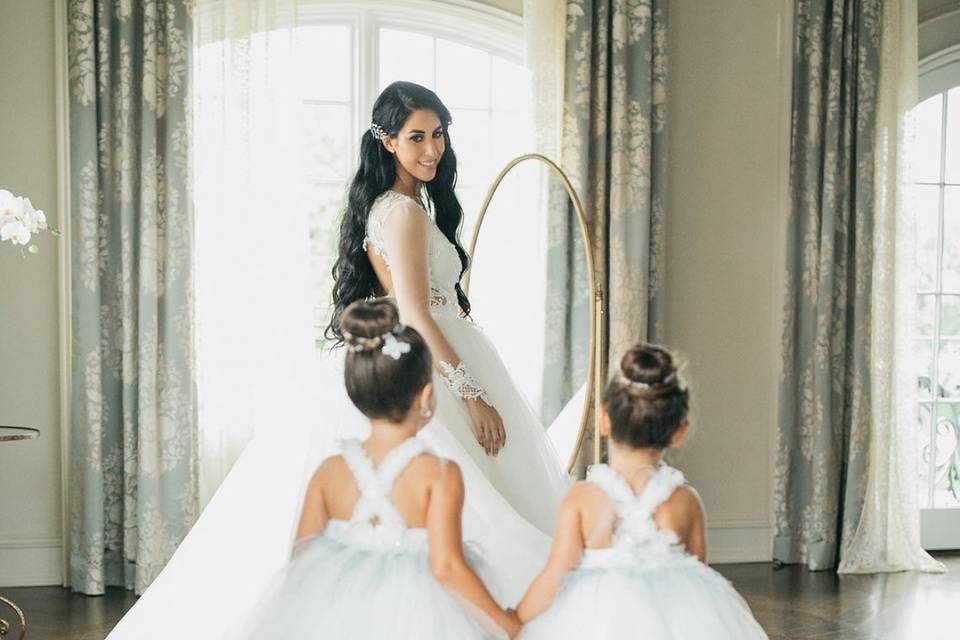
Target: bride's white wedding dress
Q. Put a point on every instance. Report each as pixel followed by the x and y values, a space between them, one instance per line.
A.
pixel 214 580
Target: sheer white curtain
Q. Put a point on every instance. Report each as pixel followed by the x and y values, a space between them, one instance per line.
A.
pixel 253 303
pixel 888 535
pixel 544 27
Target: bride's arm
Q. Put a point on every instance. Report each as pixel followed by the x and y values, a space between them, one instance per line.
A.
pixel 406 243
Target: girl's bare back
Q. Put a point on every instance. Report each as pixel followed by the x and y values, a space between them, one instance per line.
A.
pixel 410 495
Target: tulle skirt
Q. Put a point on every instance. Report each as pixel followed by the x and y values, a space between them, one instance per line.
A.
pixel 338 591
pixel 680 599
pixel 245 534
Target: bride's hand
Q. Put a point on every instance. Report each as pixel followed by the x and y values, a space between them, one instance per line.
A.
pixel 488 426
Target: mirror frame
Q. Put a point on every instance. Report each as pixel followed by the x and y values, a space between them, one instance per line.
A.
pixel 596 365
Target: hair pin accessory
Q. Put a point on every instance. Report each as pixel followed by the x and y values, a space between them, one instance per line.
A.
pixel 377 131
pixel 676 375
pixel 387 343
pixel 393 347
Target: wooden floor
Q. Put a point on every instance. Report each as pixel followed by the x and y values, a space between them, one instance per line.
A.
pixel 790 603
pixel 794 604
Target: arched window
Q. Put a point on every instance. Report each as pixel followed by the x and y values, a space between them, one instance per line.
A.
pixel 937 206
pixel 248 284
pixel 469 54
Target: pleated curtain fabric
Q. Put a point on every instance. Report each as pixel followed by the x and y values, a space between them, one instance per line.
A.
pixel 133 430
pixel 846 467
pixel 614 149
pixel 824 435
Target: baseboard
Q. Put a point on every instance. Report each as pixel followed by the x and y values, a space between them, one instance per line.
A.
pixel 30 562
pixel 739 541
pixel 940 529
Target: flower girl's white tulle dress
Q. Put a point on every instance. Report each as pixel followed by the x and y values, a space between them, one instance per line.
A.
pixel 244 535
pixel 645 585
pixel 358 580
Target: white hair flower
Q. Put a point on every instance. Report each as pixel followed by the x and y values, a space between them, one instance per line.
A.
pixel 393 347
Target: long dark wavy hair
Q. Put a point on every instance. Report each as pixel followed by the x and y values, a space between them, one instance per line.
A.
pixel 353 274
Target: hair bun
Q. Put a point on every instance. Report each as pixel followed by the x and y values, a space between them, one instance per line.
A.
pixel 648 399
pixel 647 364
pixel 364 322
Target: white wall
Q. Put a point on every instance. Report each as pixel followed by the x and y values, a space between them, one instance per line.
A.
pixel 728 117
pixel 29 378
pixel 939 22
pixel 513 6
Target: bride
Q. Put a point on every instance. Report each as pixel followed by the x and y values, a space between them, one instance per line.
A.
pixel 398 237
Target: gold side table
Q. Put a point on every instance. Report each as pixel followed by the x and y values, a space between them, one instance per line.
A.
pixel 12 434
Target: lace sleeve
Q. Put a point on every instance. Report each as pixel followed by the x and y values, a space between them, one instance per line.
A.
pixel 461 383
pixel 407 244
pixel 390 205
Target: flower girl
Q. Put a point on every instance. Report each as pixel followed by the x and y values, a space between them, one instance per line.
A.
pixel 629 550
pixel 379 551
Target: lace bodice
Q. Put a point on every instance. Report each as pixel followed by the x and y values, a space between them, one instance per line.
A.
pixel 636 538
pixel 443 262
pixel 375 522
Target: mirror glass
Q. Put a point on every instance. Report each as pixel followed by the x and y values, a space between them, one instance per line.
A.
pixel 529 291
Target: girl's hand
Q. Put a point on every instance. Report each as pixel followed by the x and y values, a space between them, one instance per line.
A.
pixel 513 623
pixel 488 426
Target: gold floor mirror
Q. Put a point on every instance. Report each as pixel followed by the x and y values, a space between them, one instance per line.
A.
pixel 505 277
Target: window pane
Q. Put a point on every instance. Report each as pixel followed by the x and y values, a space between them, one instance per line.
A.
pixel 948 368
pixel 463 76
pixel 471 199
pixel 405 55
pixel 923 365
pixel 322 286
pixel 511 85
pixel 323 55
pixel 929 125
pixel 951 240
pixel 946 493
pixel 512 135
pixel 325 203
pixel 321 268
pixel 926 308
pixel 953 136
pixel 950 316
pixel 470 138
pixel 924 449
pixel 326 129
pixel 926 202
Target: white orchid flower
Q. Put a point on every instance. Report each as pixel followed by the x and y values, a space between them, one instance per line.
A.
pixel 6 203
pixel 15 231
pixel 34 218
pixel 11 207
pixel 19 220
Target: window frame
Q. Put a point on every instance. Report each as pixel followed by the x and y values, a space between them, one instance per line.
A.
pixel 495 31
pixel 940 527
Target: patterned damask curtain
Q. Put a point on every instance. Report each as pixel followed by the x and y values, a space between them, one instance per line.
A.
pixel 825 397
pixel 613 147
pixel 133 436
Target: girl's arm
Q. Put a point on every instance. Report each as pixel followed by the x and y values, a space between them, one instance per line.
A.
pixel 446 548
pixel 405 235
pixel 684 514
pixel 564 557
pixel 696 538
pixel 313 517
